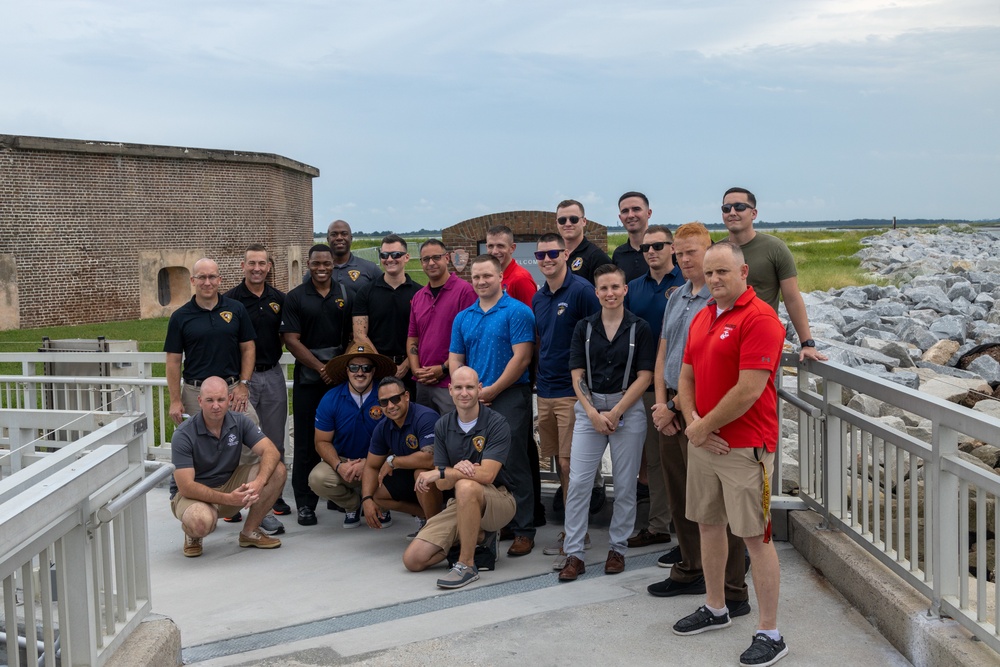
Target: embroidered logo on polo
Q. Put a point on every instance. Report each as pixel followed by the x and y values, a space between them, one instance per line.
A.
pixel 411 441
pixel 670 290
pixel 375 412
pixel 577 264
pixel 726 330
pixel 340 302
pixel 479 442
pixel 232 440
pixel 354 274
pixel 227 315
pixel 275 306
pixel 561 308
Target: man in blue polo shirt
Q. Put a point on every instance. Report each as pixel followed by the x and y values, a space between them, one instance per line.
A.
pixel 647 297
pixel 496 337
pixel 402 447
pixel 345 419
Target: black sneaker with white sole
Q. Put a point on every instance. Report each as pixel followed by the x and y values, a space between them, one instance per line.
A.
pixel 670 558
pixel 700 621
pixel 763 651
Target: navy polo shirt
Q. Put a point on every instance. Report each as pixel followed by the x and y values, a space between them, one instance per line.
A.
pixel 352 426
pixel 214 459
pixel 556 314
pixel 388 311
pixel 487 339
pixel 586 258
pixel 265 315
pixel 416 434
pixel 318 319
pixel 209 339
pixel 629 260
pixel 648 298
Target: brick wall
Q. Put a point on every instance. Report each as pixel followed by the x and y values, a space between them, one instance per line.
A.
pixel 77 216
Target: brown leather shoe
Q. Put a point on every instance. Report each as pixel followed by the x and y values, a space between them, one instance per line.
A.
pixel 645 537
pixel 615 563
pixel 192 546
pixel 522 546
pixel 574 568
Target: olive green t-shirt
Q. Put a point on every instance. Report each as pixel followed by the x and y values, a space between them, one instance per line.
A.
pixel 770 262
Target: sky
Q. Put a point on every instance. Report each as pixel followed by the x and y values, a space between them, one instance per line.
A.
pixel 424 114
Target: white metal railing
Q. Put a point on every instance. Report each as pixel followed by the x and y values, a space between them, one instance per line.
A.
pixel 914 505
pixel 74 556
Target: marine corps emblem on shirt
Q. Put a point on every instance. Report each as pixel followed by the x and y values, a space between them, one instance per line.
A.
pixel 275 306
pixel 375 412
pixel 479 442
pixel 411 441
pixel 561 308
pixel 726 330
pixel 231 441
pixel 354 274
pixel 227 316
pixel 577 264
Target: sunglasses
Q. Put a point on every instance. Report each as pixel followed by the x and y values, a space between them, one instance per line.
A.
pixel 551 254
pixel 726 208
pixel 432 258
pixel 658 246
pixel 571 220
pixel 392 399
pixel 363 368
pixel 395 254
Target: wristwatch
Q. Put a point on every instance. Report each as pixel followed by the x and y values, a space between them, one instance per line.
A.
pixel 245 382
pixel 389 459
pixel 809 343
pixel 671 405
pixel 441 471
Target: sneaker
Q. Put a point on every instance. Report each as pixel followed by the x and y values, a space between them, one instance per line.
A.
pixel 420 524
pixel 259 540
pixel 700 621
pixel 556 548
pixel 385 518
pixel 670 558
pixel 236 518
pixel 352 519
pixel 271 526
pixel 281 508
pixel 192 546
pixel 559 563
pixel 459 575
pixel 645 537
pixel 738 608
pixel 763 651
pixel 669 588
pixel 491 543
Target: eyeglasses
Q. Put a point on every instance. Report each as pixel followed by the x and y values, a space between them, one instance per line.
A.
pixel 210 279
pixel 658 246
pixel 395 254
pixel 392 399
pixel 568 220
pixel 551 254
pixel 740 207
pixel 432 258
pixel 364 368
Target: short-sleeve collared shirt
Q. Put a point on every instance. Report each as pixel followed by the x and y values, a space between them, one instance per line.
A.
pixel 431 319
pixel 648 298
pixel 681 309
pixel 352 426
pixel 415 435
pixel 265 314
pixel 214 459
pixel 489 439
pixel 209 339
pixel 388 311
pixel 586 258
pixel 556 315
pixel 629 260
pixel 519 283
pixel 608 359
pixel 318 319
pixel 487 338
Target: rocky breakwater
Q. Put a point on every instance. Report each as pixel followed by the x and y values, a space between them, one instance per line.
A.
pixel 932 325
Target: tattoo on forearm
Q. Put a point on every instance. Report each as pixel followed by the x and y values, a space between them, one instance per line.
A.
pixel 413 349
pixel 585 391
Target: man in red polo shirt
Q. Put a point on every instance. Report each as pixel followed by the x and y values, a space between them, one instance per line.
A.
pixel 517 280
pixel 729 400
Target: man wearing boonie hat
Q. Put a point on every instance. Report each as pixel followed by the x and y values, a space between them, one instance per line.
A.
pixel 345 420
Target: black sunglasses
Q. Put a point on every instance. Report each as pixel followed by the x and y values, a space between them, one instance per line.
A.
pixel 395 254
pixel 572 220
pixel 740 207
pixel 392 399
pixel 658 246
pixel 551 254
pixel 364 368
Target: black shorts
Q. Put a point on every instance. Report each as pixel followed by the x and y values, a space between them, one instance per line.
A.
pixel 400 486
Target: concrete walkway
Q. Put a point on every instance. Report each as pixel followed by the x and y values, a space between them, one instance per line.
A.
pixel 331 596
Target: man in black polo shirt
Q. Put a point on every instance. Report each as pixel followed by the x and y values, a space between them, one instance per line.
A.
pixel 634 212
pixel 381 311
pixel 214 336
pixel 349 270
pixel 268 393
pixel 312 325
pixel 584 256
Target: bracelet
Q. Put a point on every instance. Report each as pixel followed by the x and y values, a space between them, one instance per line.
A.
pixel 336 468
pixel 364 498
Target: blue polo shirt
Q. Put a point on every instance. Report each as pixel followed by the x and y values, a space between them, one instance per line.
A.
pixel 648 298
pixel 416 435
pixel 556 315
pixel 487 339
pixel 352 426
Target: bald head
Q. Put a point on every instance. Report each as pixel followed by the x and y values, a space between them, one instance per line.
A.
pixel 215 384
pixel 213 399
pixel 205 279
pixel 465 374
pixel 338 236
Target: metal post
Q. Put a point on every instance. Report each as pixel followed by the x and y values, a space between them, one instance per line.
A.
pixel 942 491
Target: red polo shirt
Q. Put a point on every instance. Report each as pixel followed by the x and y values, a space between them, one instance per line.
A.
pixel 517 282
pixel 748 336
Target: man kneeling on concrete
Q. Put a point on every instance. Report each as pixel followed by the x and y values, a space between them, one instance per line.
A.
pixel 402 448
pixel 209 481
pixel 470 448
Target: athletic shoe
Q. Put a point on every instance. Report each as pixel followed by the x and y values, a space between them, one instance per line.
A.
pixel 420 524
pixel 385 518
pixel 236 518
pixel 700 621
pixel 556 548
pixel 192 546
pixel 281 508
pixel 352 519
pixel 669 588
pixel 738 608
pixel 559 563
pixel 259 540
pixel 491 543
pixel 763 651
pixel 459 575
pixel 271 526
pixel 670 558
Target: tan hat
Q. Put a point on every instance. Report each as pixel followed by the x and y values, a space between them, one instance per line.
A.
pixel 336 368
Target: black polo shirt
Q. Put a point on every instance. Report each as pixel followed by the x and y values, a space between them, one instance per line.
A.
pixel 608 358
pixel 388 313
pixel 630 260
pixel 209 339
pixel 319 320
pixel 265 314
pixel 488 439
pixel 586 258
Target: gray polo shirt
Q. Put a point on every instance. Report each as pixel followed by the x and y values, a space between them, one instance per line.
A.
pixel 214 459
pixel 681 309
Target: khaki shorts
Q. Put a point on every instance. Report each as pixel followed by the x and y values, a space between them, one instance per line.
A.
pixel 728 489
pixel 179 504
pixel 442 528
pixel 555 426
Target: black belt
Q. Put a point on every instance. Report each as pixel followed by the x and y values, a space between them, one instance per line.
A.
pixel 232 379
pixel 260 368
pixel 398 359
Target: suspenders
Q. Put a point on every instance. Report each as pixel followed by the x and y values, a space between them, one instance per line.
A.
pixel 628 364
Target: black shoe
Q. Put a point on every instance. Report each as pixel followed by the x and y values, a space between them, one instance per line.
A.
pixel 330 505
pixel 669 588
pixel 598 497
pixel 763 651
pixel 506 534
pixel 307 517
pixel 236 518
pixel 738 608
pixel 558 505
pixel 281 508
pixel 670 558
pixel 641 492
pixel 539 517
pixel 700 621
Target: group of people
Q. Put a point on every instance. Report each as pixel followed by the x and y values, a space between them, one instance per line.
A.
pixel 419 399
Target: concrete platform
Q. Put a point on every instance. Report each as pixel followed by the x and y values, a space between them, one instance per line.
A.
pixel 331 596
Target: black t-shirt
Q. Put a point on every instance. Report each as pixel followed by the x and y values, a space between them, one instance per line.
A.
pixel 388 312
pixel 209 339
pixel 265 314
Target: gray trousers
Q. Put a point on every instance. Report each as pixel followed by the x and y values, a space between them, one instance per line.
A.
pixel 585 459
pixel 514 403
pixel 435 398
pixel 269 397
